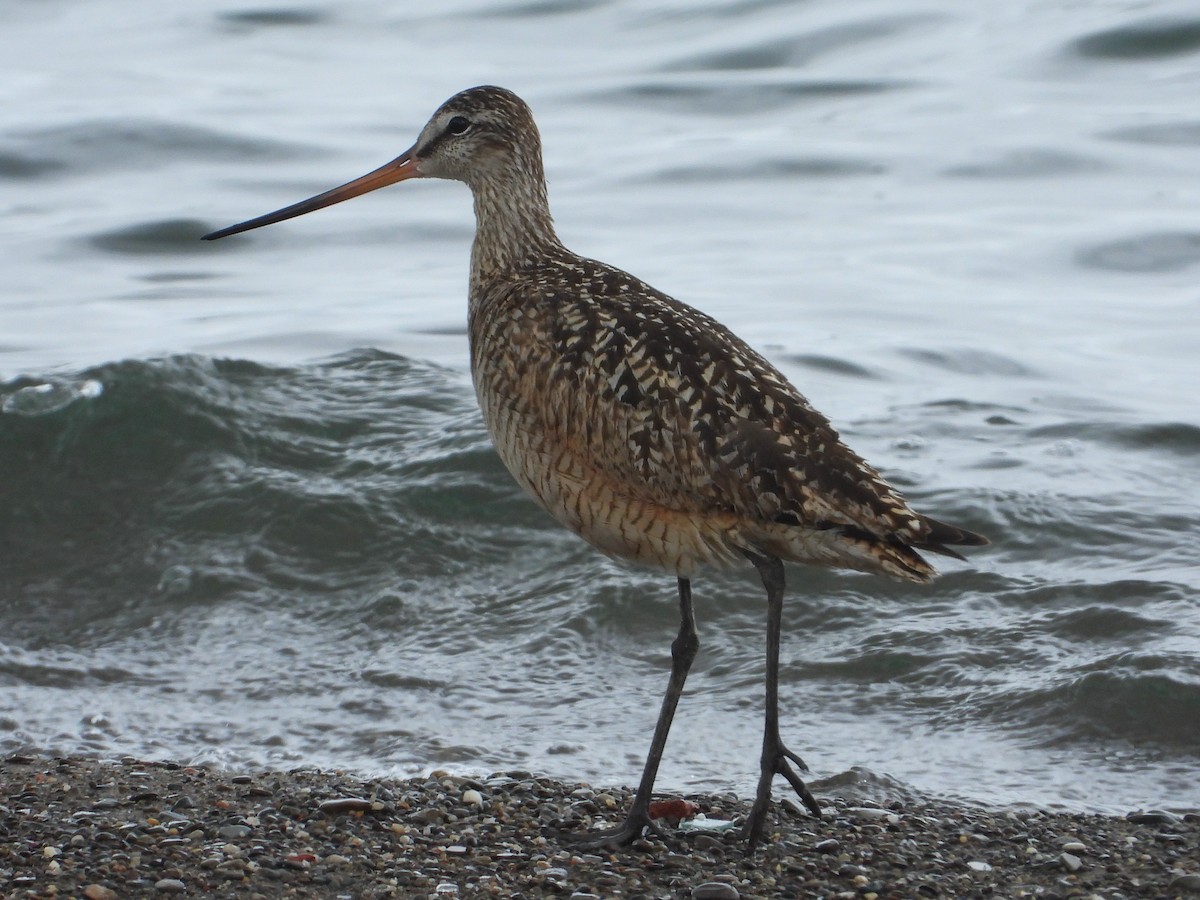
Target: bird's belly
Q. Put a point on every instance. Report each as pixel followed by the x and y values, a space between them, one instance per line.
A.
pixel 606 512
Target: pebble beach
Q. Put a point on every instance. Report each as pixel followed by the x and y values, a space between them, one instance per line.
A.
pixel 104 830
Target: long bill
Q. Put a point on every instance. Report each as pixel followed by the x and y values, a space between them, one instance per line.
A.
pixel 401 168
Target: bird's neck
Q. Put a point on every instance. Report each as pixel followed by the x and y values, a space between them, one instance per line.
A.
pixel 513 227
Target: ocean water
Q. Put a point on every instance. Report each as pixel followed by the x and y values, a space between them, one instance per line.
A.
pixel 248 511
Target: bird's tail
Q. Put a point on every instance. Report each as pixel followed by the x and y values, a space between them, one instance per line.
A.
pixel 940 535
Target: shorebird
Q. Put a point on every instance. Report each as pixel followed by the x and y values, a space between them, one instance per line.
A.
pixel 642 424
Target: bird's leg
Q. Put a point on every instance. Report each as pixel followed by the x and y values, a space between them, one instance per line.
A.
pixel 683 651
pixel 775 755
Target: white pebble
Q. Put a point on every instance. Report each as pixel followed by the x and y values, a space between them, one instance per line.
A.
pixel 473 797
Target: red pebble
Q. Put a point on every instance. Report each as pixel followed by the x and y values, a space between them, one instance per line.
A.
pixel 673 809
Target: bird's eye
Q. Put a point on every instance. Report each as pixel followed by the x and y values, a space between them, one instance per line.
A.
pixel 458 125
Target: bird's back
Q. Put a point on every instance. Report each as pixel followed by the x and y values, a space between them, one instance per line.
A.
pixel 656 434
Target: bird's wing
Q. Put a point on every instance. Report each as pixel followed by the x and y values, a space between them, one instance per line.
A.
pixel 673 405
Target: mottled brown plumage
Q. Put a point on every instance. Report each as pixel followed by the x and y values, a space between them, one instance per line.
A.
pixel 640 423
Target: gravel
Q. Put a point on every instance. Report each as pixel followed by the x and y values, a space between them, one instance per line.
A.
pixel 113 830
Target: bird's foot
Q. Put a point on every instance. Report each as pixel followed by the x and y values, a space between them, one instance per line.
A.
pixel 776 760
pixel 635 826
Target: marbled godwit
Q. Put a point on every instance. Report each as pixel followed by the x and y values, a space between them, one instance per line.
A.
pixel 643 425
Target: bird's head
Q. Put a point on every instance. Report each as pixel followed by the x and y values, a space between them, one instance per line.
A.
pixel 480 135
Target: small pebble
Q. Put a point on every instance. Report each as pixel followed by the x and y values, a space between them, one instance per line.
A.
pixel 1189 882
pixel 430 835
pixel 715 890
pixel 794 808
pixel 340 805
pixel 472 797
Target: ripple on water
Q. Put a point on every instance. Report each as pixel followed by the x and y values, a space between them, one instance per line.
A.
pixel 1033 162
pixel 537 9
pixel 832 364
pixel 721 96
pixel 767 169
pixel 1141 40
pixel 1174 437
pixel 969 361
pixel 252 19
pixel 57 668
pixel 1160 251
pixel 1127 697
pixel 19 166
pixel 798 49
pixel 719 10
pixel 153 238
pixel 334 469
pixel 1104 623
pixel 174 277
pixel 1185 134
pixel 134 143
pixel 1064 665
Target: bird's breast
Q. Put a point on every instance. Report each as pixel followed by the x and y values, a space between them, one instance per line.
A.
pixel 569 420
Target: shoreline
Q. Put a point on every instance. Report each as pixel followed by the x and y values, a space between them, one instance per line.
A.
pixel 108 830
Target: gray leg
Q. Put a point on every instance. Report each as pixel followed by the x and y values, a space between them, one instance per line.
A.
pixel 775 755
pixel 683 651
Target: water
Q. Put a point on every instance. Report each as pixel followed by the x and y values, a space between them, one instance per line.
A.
pixel 248 512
